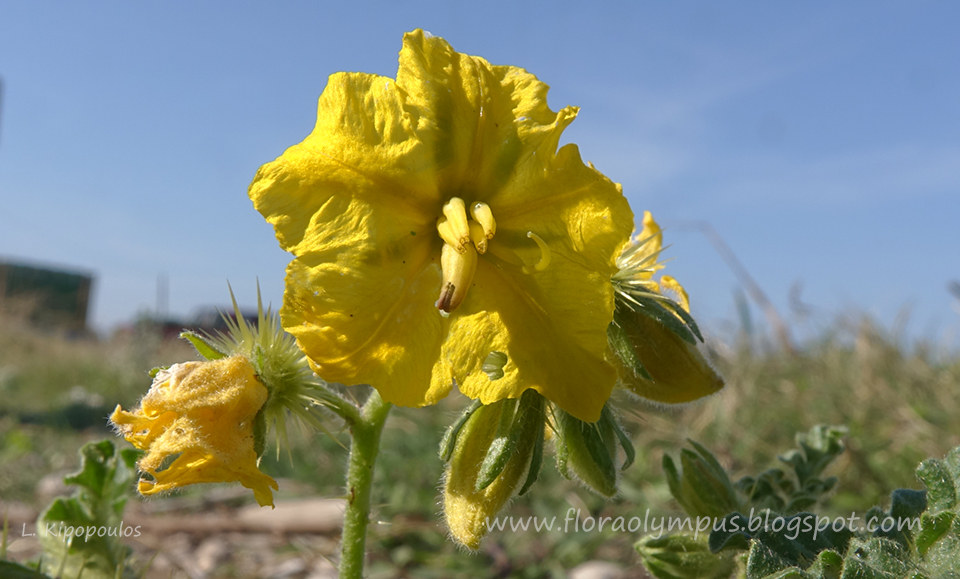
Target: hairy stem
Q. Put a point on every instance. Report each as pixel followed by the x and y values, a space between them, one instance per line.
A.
pixel 363 455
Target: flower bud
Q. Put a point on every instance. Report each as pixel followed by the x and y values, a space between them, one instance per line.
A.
pixel 656 344
pixel 702 486
pixel 497 452
pixel 683 555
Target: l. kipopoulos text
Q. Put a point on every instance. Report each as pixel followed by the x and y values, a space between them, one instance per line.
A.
pixel 83 533
pixel 765 521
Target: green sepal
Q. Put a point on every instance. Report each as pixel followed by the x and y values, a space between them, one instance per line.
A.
pixel 667 313
pixel 498 454
pixel 588 449
pixel 260 431
pixel 449 440
pixel 202 345
pixel 630 454
pixel 519 424
pixel 624 349
pixel 536 459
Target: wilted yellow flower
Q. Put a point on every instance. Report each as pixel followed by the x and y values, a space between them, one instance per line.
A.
pixel 197 425
pixel 433 222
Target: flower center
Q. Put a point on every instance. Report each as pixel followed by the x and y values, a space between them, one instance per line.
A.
pixel 463 240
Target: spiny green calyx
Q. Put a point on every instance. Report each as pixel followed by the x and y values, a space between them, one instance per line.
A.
pixel 279 364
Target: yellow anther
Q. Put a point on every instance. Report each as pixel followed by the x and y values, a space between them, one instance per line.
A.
pixel 478 237
pixel 544 261
pixel 458 269
pixel 456 213
pixel 484 216
pixel 448 235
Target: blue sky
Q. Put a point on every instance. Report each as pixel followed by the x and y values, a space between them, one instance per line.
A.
pixel 820 140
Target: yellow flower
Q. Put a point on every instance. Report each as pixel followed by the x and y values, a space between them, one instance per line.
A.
pixel 654 335
pixel 433 222
pixel 197 425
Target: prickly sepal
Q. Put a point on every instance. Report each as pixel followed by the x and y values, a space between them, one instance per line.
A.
pixel 589 449
pixel 294 390
pixel 496 453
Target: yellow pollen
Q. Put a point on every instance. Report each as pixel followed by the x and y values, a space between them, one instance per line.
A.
pixel 544 261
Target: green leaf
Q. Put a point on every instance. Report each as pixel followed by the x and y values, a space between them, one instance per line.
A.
pixel 818 448
pixel 905 507
pixel 796 538
pixel 941 486
pixel 11 570
pixel 933 528
pixel 84 534
pixel 876 558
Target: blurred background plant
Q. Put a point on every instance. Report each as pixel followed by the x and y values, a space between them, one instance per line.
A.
pixel 898 400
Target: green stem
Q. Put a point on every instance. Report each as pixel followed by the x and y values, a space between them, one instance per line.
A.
pixel 363 454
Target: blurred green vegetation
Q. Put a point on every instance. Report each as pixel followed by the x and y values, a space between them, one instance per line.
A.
pixel 899 403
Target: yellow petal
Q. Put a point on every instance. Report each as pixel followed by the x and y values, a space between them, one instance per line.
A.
pixel 197 467
pixel 674 287
pixel 652 232
pixel 475 118
pixel 546 324
pixel 361 150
